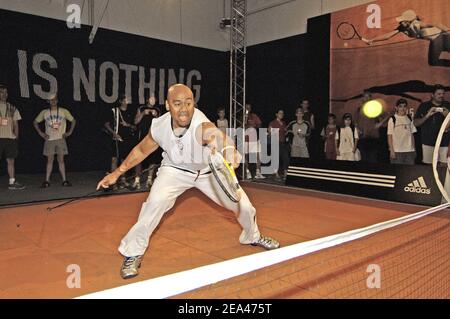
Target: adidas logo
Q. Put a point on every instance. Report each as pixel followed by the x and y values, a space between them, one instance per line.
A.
pixel 418 186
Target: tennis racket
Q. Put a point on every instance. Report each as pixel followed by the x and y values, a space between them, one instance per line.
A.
pixel 225 176
pixel 347 31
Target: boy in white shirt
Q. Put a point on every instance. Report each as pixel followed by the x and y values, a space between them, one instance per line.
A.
pixel 222 122
pixel 347 141
pixel 400 132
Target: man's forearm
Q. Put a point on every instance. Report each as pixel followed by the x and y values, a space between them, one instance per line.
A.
pixel 72 126
pixel 138 118
pixel 229 151
pixel 391 143
pixel 218 140
pixel 109 129
pixel 134 158
pixel 16 130
pixel 420 121
pixel 37 128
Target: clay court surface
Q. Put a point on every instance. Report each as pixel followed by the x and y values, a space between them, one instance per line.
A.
pixel 37 246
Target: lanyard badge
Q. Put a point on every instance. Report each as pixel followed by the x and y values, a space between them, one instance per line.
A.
pixel 4 120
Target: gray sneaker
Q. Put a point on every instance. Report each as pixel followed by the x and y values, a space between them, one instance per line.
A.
pixel 266 243
pixel 130 267
pixel 137 185
pixel 259 175
pixel 15 186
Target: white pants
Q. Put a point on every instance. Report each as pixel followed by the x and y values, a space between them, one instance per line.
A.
pixel 427 154
pixel 347 156
pixel 168 185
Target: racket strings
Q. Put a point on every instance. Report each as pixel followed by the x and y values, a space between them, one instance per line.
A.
pixel 223 170
pixel 225 176
pixel 346 31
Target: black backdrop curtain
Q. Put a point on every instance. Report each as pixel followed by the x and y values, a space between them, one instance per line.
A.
pixel 37 54
pixel 279 74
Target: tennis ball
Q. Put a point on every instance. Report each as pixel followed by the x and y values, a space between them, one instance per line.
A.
pixel 372 109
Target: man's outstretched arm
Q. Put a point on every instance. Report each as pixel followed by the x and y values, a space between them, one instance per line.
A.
pixel 136 156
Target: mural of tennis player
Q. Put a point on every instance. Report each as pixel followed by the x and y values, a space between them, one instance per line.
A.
pixel 412 25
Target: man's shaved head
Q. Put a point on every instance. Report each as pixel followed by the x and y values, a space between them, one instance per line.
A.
pixel 179 88
pixel 180 103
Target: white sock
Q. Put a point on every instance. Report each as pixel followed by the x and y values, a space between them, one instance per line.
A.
pixel 12 181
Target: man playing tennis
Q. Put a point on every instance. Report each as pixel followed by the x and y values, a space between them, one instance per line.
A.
pixel 186 136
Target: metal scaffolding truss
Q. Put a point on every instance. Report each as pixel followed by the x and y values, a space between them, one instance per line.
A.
pixel 238 50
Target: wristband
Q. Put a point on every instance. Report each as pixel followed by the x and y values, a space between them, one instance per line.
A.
pixel 226 147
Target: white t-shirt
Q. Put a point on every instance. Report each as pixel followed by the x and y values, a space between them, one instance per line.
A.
pixel 55 122
pixel 183 152
pixel 8 114
pixel 347 141
pixel 222 125
pixel 297 129
pixel 402 133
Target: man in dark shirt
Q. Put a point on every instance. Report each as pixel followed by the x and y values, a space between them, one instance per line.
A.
pixel 429 117
pixel 279 124
pixel 144 117
pixel 123 131
pixel 372 133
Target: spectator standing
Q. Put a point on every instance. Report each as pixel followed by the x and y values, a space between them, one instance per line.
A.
pixel 429 117
pixel 144 117
pixel 123 131
pixel 254 122
pixel 278 125
pixel 9 135
pixel 222 122
pixel 346 141
pixel 370 140
pixel 400 133
pixel 55 135
pixel 329 135
pixel 301 131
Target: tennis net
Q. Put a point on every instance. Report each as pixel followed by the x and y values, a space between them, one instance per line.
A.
pixel 407 257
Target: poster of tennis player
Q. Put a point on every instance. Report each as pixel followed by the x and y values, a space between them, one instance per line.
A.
pixel 389 50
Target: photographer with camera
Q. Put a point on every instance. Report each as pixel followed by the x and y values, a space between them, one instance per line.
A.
pixel 429 117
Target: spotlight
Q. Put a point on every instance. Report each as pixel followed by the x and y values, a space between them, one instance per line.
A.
pixel 225 23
